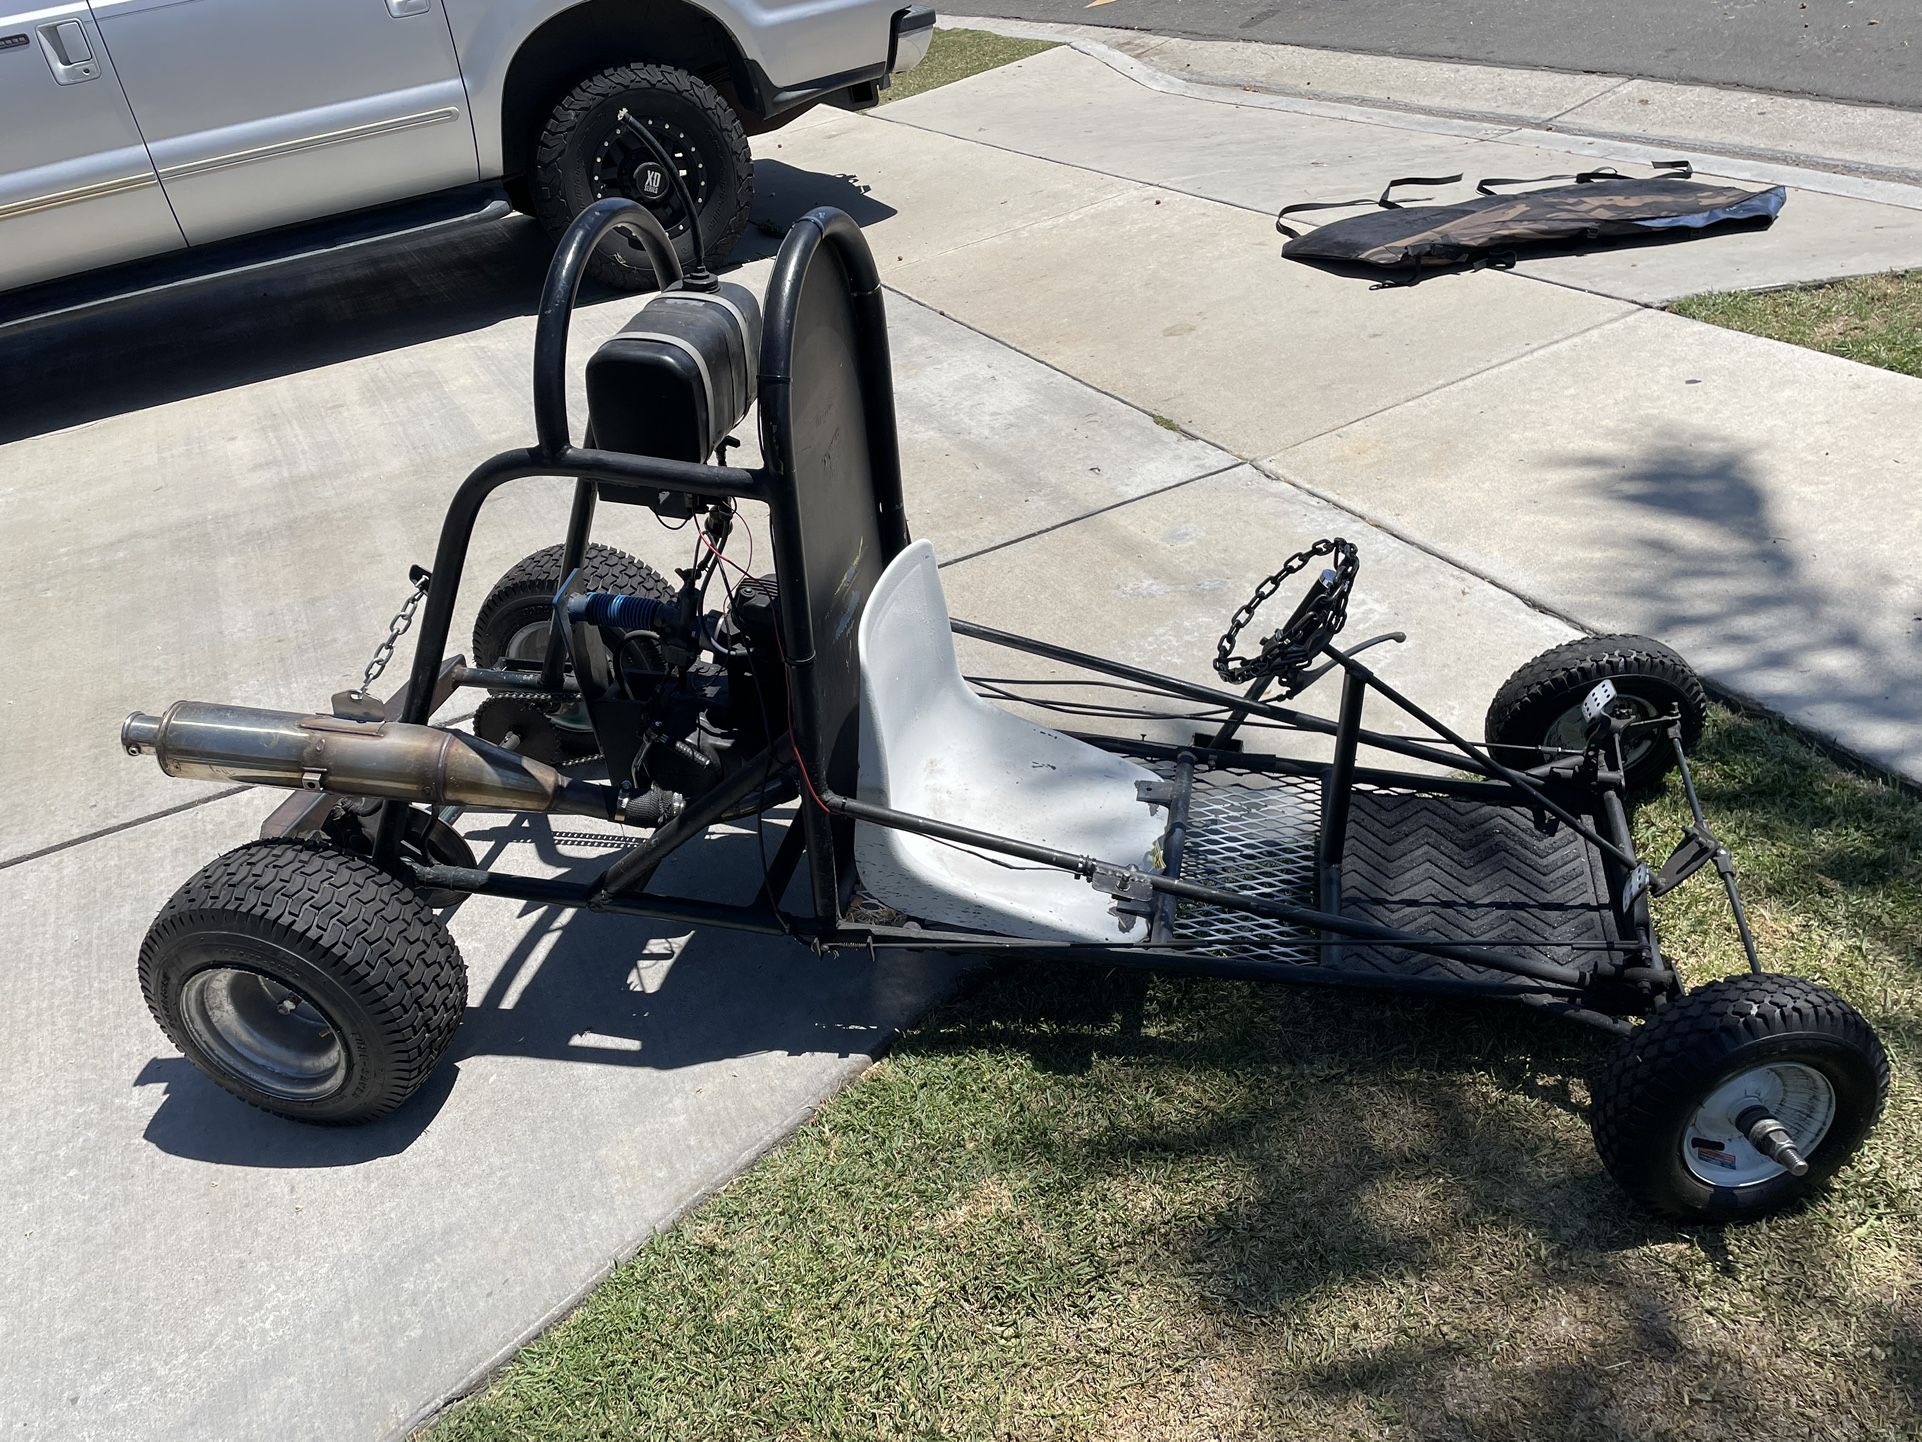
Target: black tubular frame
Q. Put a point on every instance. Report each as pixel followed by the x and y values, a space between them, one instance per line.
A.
pixel 1626 975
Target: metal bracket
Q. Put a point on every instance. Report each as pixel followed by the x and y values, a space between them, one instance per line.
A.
pixel 1155 793
pixel 1697 848
pixel 1637 883
pixel 1123 883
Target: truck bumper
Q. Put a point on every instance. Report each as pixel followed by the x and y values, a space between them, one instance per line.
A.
pixel 913 30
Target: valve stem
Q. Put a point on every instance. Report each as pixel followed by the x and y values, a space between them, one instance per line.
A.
pixel 1772 1140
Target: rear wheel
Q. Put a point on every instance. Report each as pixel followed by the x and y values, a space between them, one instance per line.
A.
pixel 304 980
pixel 513 625
pixel 587 151
pixel 1537 714
pixel 1693 1112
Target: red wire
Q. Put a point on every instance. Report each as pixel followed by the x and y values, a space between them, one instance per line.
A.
pixel 799 762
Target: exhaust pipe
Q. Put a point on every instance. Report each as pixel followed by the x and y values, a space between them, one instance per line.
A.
pixel 207 741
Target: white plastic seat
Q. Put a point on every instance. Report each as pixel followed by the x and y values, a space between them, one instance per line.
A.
pixel 931 747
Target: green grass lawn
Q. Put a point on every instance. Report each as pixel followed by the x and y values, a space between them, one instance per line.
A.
pixel 1074 1205
pixel 1875 319
pixel 957 54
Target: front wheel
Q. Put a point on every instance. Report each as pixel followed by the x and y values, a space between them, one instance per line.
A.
pixel 1736 1100
pixel 1537 714
pixel 305 980
pixel 587 151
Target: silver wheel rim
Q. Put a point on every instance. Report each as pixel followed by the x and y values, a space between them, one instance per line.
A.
pixel 530 644
pixel 264 1033
pixel 1570 732
pixel 1714 1149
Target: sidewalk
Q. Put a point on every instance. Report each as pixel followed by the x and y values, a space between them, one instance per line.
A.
pixel 1119 409
pixel 1748 501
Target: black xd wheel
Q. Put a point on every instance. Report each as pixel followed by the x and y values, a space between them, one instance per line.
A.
pixel 512 626
pixel 304 980
pixel 1537 714
pixel 1739 1098
pixel 588 151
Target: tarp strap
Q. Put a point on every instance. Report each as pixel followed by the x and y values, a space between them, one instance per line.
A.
pixel 1291 231
pixel 1677 170
pixel 1381 200
pixel 1385 202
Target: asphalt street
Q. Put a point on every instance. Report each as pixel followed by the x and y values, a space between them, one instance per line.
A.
pixel 1862 50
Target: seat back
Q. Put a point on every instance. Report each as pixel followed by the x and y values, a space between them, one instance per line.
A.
pixel 827 433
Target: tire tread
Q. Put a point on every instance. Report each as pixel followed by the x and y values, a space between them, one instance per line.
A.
pixel 382 942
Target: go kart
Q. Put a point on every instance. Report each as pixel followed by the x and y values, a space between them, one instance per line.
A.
pixel 311 972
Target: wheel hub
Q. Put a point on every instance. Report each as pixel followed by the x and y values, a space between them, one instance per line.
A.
pixel 264 1033
pixel 622 165
pixel 529 644
pixel 1570 732
pixel 1716 1145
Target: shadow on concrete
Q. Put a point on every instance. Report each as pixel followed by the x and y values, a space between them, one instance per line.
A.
pixel 199 1121
pixel 576 986
pixel 231 330
pixel 1710 569
pixel 783 194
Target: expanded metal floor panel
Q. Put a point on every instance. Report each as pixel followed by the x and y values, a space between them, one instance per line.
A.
pixel 1253 832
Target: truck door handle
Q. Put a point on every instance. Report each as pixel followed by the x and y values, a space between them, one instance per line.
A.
pixel 68 53
pixel 401 9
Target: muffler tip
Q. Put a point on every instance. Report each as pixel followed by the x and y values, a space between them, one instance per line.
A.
pixel 140 734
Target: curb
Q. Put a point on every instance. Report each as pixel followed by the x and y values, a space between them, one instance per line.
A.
pixel 1855 178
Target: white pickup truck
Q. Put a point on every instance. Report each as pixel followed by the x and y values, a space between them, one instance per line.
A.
pixel 216 129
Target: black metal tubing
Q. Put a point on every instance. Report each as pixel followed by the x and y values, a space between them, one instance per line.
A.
pixel 1306 917
pixel 632 872
pixel 1188 691
pixel 1256 690
pixel 1485 763
pixel 619 477
pixel 1499 793
pixel 1560 999
pixel 1174 842
pixel 547 891
pixel 1340 789
pixel 503 678
pixel 580 525
pixel 563 283
pixel 828 227
pixel 1724 864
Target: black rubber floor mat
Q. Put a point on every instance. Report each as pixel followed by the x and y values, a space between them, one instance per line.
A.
pixel 1467 871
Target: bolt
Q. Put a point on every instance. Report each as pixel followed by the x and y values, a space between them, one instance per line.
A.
pixel 1771 1139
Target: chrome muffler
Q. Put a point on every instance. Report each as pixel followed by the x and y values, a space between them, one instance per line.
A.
pixel 207 741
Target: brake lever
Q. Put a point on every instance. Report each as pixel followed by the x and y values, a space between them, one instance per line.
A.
pixel 1307 679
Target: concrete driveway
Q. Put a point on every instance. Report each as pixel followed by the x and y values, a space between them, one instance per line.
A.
pixel 1119 410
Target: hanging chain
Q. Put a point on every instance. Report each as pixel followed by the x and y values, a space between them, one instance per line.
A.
pixel 1293 646
pixel 396 628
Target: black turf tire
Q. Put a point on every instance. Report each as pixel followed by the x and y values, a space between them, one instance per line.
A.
pixel 362 946
pixel 1649 1089
pixel 524 595
pixel 563 184
pixel 1530 701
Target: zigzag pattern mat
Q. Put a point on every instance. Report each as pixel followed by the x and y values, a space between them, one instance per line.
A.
pixel 1466 871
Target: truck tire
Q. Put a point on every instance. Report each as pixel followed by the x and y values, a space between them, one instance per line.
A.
pixel 582 156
